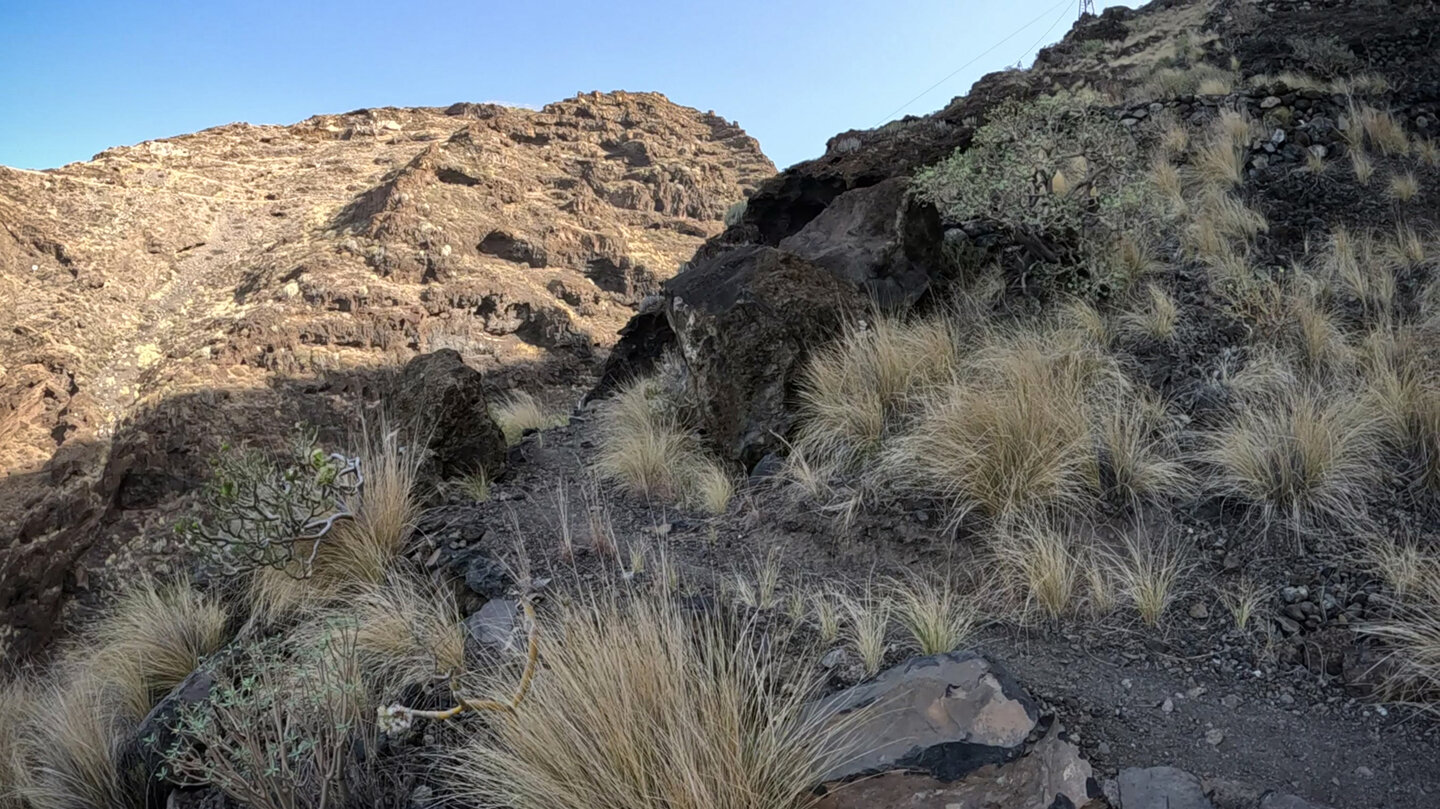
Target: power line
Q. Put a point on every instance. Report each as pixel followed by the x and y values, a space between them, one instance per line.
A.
pixel 982 55
pixel 1042 36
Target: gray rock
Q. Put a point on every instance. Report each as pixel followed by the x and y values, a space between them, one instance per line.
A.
pixel 486 576
pixel 947 715
pixel 1269 102
pixel 1161 788
pixel 493 625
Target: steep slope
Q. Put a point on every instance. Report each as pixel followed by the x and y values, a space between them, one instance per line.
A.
pixel 167 295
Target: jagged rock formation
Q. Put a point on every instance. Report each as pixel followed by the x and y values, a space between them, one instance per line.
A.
pixel 229 282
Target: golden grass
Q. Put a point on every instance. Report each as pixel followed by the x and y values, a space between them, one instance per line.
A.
pixel 1356 265
pixel 866 627
pixel 1134 258
pixel 476 486
pixel 1168 82
pixel 73 737
pixel 827 615
pixel 1010 430
pixel 1363 167
pixel 165 629
pixel 1411 630
pixel 519 412
pixel 1037 565
pixel 938 618
pixel 1243 600
pixel 1220 160
pixel 1319 341
pixel 1427 151
pixel 406 631
pixel 852 388
pixel 1174 137
pixel 1216 86
pixel 361 550
pixel 1403 393
pixel 644 707
pixel 1314 163
pixel 1381 131
pixel 1359 84
pixel 1302 452
pixel 1156 317
pixel 17 703
pixel 1404 187
pixel 711 488
pixel 1165 178
pixel 1137 458
pixel 1406 247
pixel 1148 570
pixel 764 594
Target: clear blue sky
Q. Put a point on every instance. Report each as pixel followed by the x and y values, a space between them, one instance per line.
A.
pixel 77 77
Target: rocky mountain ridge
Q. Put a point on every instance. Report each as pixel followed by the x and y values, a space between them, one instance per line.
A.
pixel 165 296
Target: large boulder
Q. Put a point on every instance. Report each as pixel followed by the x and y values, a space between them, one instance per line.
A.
pixel 879 238
pixel 744 321
pixel 946 715
pixel 440 394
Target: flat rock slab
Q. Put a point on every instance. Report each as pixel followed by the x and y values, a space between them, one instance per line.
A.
pixel 1161 788
pixel 946 715
pixel 1052 775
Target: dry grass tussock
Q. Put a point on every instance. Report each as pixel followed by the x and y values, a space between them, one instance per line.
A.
pixel 1038 565
pixel 1148 569
pixel 404 631
pixel 519 412
pixel 1404 187
pixel 867 626
pixel 1402 391
pixel 647 450
pixel 17 702
pixel 854 389
pixel 1411 632
pixel 644 707
pixel 360 550
pixel 1299 452
pixel 1355 265
pixel 71 729
pixel 938 616
pixel 1220 161
pixel 1377 129
pixel 1014 429
pixel 1155 317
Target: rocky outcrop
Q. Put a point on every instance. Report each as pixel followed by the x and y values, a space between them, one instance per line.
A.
pixel 742 322
pixel 447 396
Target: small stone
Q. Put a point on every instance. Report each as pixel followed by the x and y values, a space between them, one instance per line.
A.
pixel 1199 611
pixel 1364 772
pixel 1294 594
pixel 1214 737
pixel 833 658
pixel 1231 701
pixel 1168 706
pixel 1270 102
pixel 1103 748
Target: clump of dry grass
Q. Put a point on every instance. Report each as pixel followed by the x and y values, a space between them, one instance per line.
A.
pixel 1427 151
pixel 1412 628
pixel 360 550
pixel 17 703
pixel 1403 393
pixel 406 631
pixel 1138 459
pixel 1243 600
pixel 1363 167
pixel 866 628
pixel 1165 178
pixel 1379 129
pixel 519 412
pixel 1220 161
pixel 644 707
pixel 1037 564
pixel 72 740
pixel 1407 246
pixel 711 488
pixel 1010 430
pixel 1319 342
pixel 1303 451
pixel 166 629
pixel 1358 268
pixel 648 451
pixel 852 388
pixel 1404 187
pixel 764 594
pixel 1134 258
pixel 827 615
pixel 1156 317
pixel 1202 78
pixel 1148 569
pixel 938 618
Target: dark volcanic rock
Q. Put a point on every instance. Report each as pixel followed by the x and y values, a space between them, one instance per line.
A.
pixel 878 238
pixel 447 396
pixel 743 322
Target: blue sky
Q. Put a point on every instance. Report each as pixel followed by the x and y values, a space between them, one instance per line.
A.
pixel 77 77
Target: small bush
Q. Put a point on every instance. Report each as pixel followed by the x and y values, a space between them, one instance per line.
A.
pixel 1007 171
pixel 1404 187
pixel 283 729
pixel 938 618
pixel 1148 569
pixel 1037 564
pixel 645 707
pixel 1325 56
pixel 735 213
